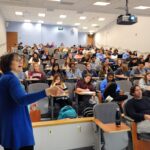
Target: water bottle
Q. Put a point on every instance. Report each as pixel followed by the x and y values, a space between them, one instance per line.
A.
pixel 118 117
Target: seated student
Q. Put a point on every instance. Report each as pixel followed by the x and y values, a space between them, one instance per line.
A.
pixel 66 64
pixel 85 85
pixel 105 69
pixel 89 70
pixel 57 81
pixel 133 63
pixel 35 59
pixel 21 74
pixel 95 63
pixel 86 58
pixel 138 108
pixel 139 71
pixel 45 56
pixel 50 63
pixel 109 87
pixel 60 101
pixel 36 73
pixel 73 72
pixel 100 55
pixel 56 70
pixel 118 64
pixel 144 84
pixel 122 72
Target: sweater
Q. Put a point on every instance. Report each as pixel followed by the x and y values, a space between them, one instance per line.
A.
pixel 136 108
pixel 15 125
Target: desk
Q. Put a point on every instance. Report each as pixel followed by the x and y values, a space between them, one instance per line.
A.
pixel 111 127
pixel 85 93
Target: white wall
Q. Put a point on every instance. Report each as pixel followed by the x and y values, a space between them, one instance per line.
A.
pixel 134 37
pixel 30 33
pixel 82 38
pixel 2 36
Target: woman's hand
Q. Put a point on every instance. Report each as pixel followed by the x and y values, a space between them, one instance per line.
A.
pixel 54 91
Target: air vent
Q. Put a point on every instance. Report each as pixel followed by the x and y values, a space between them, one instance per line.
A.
pixel 67 3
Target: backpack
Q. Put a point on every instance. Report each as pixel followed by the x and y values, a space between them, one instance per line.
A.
pixel 67 112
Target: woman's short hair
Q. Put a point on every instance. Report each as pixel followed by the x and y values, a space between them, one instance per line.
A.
pixel 6 60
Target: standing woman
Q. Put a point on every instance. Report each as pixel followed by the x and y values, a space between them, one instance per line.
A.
pixel 15 125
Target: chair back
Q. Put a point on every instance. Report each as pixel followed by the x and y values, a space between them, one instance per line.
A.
pixel 43 103
pixel 105 112
pixel 71 89
pixel 125 85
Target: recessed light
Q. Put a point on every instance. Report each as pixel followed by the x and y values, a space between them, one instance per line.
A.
pixel 41 21
pixel 82 17
pixel 41 15
pixel 91 32
pixel 142 7
pixel 101 3
pixel 77 24
pixel 62 16
pixel 85 28
pixel 94 25
pixel 101 19
pixel 59 22
pixel 19 13
pixel 26 20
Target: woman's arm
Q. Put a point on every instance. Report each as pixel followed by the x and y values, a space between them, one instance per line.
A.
pixel 20 96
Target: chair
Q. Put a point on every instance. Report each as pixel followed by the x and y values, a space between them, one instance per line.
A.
pixel 71 89
pixel 112 141
pixel 81 67
pixel 43 104
pixel 140 141
pixel 125 85
pixel 98 85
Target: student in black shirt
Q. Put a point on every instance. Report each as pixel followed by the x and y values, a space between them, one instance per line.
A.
pixel 138 108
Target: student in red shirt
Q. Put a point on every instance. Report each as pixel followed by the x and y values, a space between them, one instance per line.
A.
pixel 36 73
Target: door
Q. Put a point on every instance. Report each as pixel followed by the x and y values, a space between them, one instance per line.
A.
pixel 90 39
pixel 12 40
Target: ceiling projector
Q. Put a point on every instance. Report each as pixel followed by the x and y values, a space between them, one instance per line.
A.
pixel 126 19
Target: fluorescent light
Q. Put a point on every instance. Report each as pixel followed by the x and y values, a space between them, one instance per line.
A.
pixel 19 13
pixel 85 28
pixel 41 21
pixel 101 19
pixel 142 7
pixel 91 32
pixel 62 16
pixel 77 24
pixel 41 15
pixel 101 3
pixel 59 22
pixel 94 25
pixel 26 20
pixel 82 17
